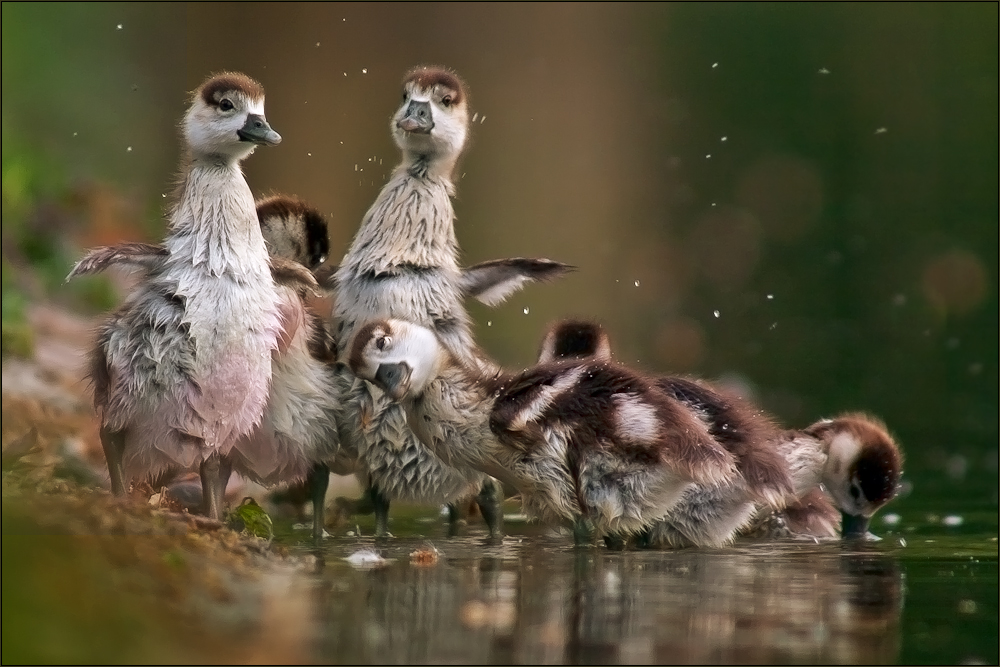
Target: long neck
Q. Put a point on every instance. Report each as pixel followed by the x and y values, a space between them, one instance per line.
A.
pixel 214 225
pixel 423 165
pixel 451 417
pixel 218 264
pixel 411 224
pixel 806 457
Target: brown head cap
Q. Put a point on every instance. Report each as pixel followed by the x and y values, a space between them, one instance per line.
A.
pixel 219 84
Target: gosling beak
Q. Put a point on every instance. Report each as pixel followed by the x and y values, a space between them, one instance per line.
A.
pixel 853 526
pixel 258 131
pixel 394 379
pixel 417 119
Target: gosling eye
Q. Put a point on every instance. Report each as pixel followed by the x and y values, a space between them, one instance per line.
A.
pixel 225 105
pixel 406 96
pixel 382 342
pixel 446 101
pixel 855 491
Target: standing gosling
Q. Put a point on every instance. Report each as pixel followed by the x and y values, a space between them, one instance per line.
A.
pixel 298 435
pixel 181 370
pixel 583 441
pixel 403 263
pixel 707 515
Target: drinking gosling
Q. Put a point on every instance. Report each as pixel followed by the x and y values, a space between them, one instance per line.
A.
pixel 854 459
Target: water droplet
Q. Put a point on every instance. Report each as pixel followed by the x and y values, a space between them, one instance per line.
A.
pixel 713 204
pixel 715 65
pixel 345 73
pixel 475 117
pixel 489 323
pixel 128 150
pixel 75 133
pixel 708 157
pixel 526 311
pixel 164 196
pixel 119 26
pixel 774 325
pixel 317 45
pixel 967 606
pixel 770 297
pixel 637 283
pixel 355 166
pixel 881 130
pixel 716 313
pixel 891 519
pixel 364 70
pixel 483 120
pixel 899 300
pixel 823 70
pixel 724 139
pixel 952 520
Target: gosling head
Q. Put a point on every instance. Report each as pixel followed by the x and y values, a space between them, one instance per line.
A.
pixel 433 120
pixel 294 231
pixel 574 339
pixel 863 467
pixel 226 118
pixel 398 357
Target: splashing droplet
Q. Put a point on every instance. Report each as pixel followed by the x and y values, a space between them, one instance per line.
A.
pixel 489 323
pixel 364 70
pixel 770 297
pixel 715 65
pixel 128 150
pixel 716 313
pixel 637 283
pixel 526 311
pixel 724 139
pixel 119 26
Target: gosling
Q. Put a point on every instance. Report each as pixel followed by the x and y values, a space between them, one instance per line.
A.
pixel 585 442
pixel 403 263
pixel 181 371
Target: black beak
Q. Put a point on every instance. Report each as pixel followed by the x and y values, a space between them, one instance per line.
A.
pixel 853 526
pixel 394 379
pixel 258 131
pixel 417 119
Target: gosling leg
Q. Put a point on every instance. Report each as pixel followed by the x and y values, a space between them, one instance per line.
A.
pixel 380 504
pixel 319 480
pixel 113 443
pixel 582 532
pixel 490 501
pixel 211 482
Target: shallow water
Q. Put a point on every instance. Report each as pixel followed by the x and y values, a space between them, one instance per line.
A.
pixel 917 596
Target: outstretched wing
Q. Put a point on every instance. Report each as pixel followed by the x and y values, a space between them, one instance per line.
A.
pixel 127 255
pixel 492 282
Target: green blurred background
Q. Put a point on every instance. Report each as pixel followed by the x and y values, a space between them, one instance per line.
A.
pixel 799 199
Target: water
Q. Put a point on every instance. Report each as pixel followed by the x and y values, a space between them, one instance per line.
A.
pixel 536 598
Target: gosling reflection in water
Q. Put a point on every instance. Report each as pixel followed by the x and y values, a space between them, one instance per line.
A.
pixel 754 605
